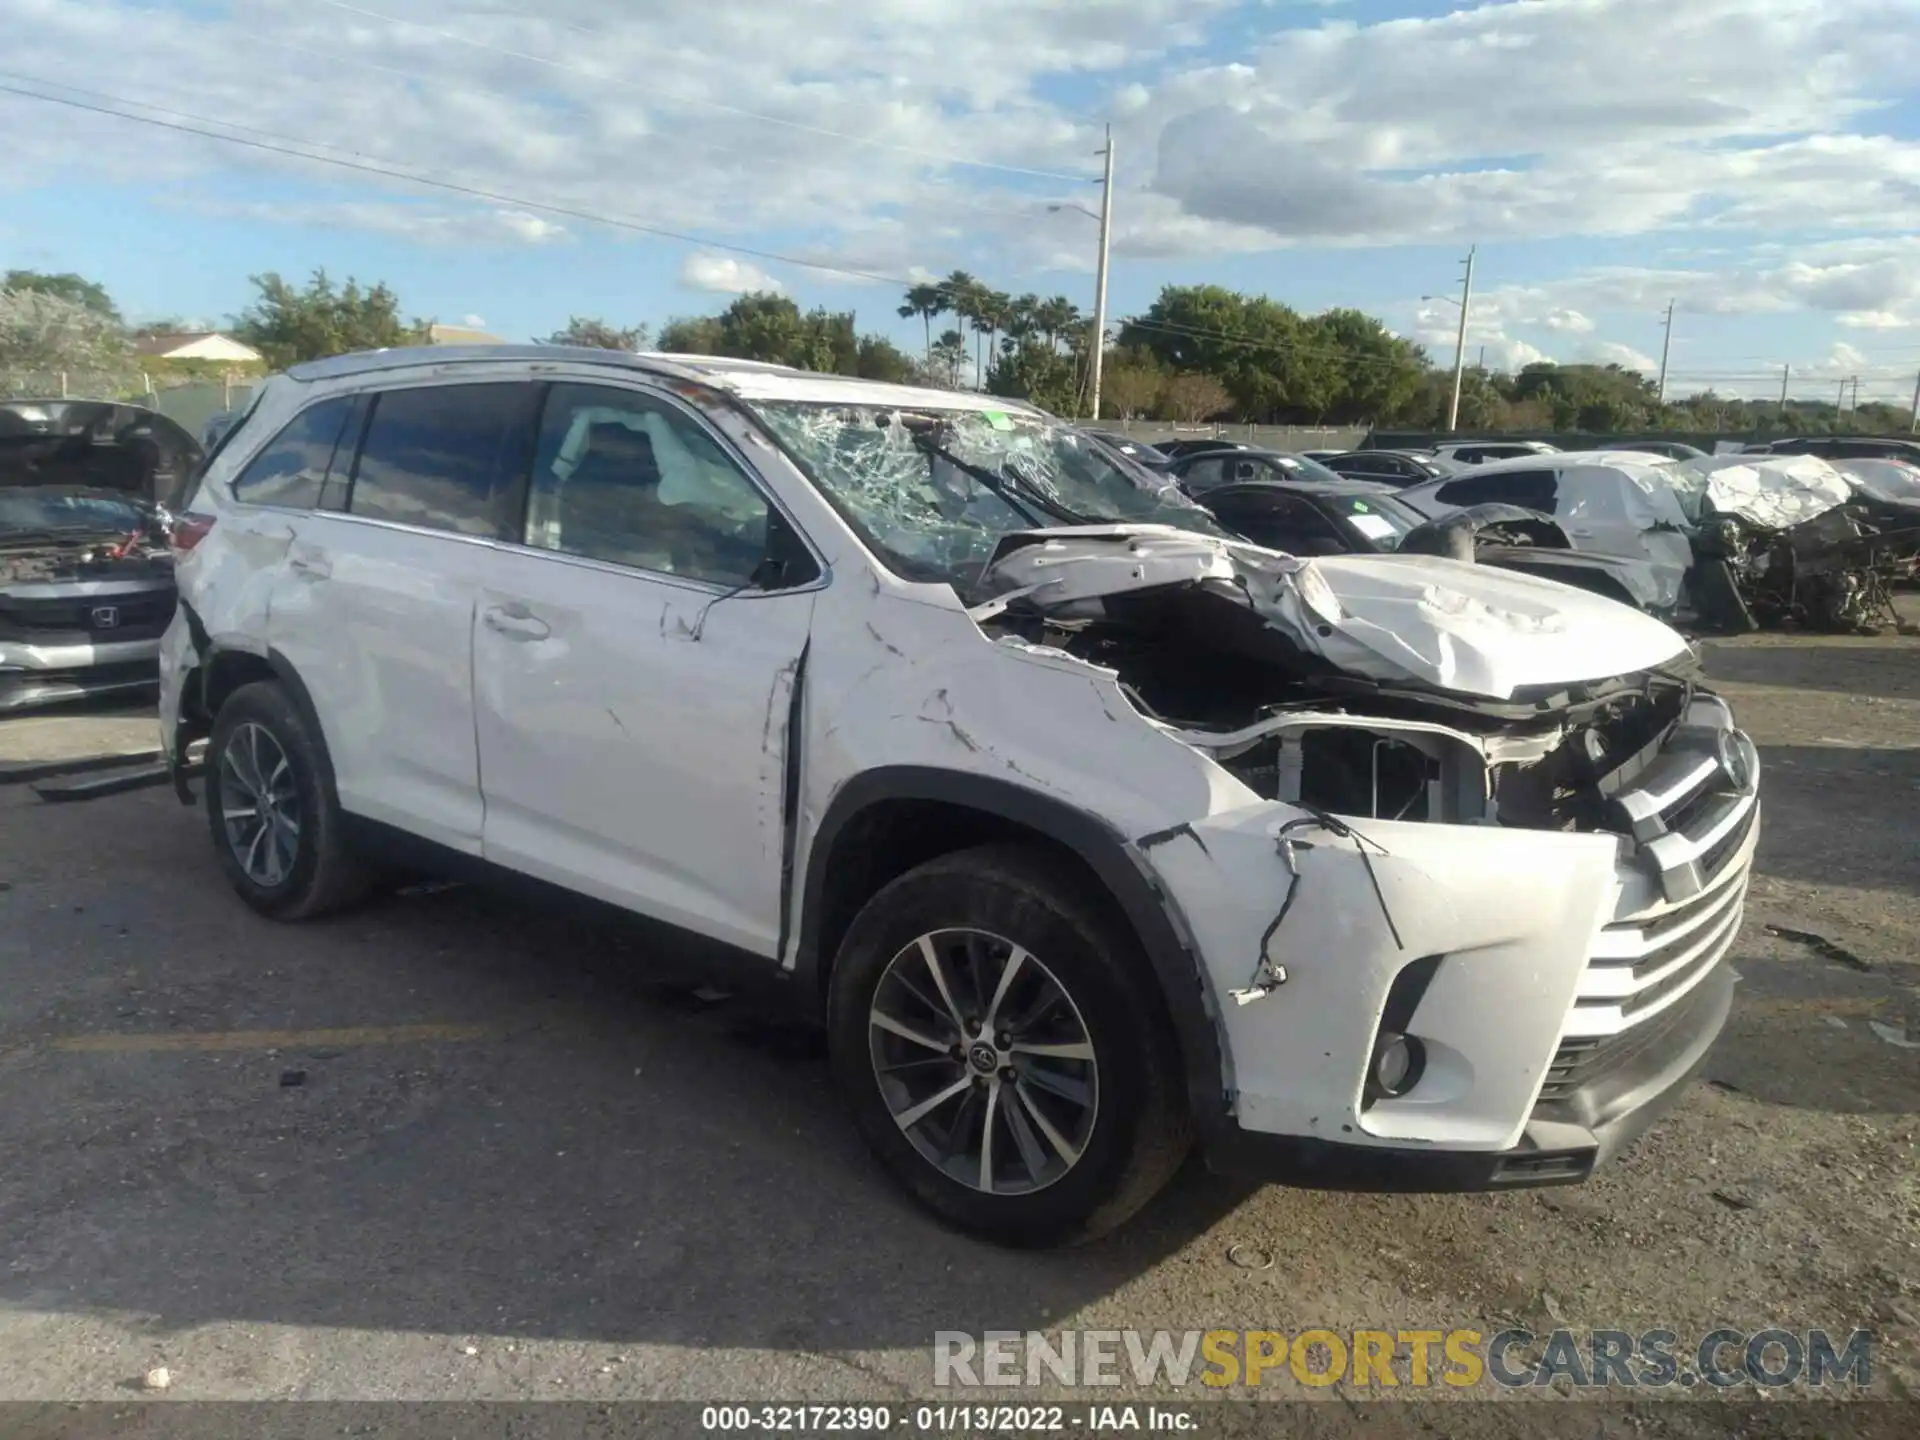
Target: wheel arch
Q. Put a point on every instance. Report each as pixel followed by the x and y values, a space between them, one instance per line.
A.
pixel 884 822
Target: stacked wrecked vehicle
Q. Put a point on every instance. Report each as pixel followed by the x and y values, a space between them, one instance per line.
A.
pixel 1721 544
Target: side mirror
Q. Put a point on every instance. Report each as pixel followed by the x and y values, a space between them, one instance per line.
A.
pixel 769 574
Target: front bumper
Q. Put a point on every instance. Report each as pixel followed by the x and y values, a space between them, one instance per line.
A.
pixel 1562 1144
pixel 1573 981
pixel 33 674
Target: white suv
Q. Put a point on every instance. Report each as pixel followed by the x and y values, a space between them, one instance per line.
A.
pixel 1088 831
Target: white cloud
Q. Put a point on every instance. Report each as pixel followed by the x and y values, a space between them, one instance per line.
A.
pixel 1612 352
pixel 1497 121
pixel 474 322
pixel 1569 321
pixel 724 275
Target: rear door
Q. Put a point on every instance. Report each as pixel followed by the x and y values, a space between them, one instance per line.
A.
pixel 636 660
pixel 375 606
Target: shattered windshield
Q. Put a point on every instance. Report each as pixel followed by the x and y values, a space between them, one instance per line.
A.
pixel 934 490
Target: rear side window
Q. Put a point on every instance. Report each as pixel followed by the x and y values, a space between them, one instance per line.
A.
pixel 1532 489
pixel 292 470
pixel 433 456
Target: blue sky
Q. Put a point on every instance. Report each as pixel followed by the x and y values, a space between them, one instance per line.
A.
pixel 1755 161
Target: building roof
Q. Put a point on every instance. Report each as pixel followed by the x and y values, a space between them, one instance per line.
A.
pixel 438 334
pixel 172 340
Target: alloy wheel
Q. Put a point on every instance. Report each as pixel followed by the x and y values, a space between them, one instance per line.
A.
pixel 259 804
pixel 984 1061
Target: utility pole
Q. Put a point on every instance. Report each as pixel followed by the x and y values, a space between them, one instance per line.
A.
pixel 1460 347
pixel 1786 374
pixel 1482 365
pixel 1914 428
pixel 1840 406
pixel 1100 280
pixel 1666 349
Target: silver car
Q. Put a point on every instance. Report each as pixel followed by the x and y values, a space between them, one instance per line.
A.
pixel 86 576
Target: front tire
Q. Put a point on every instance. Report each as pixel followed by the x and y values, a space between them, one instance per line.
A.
pixel 272 811
pixel 1005 1050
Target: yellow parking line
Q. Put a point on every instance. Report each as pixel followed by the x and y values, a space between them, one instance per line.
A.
pixel 275 1039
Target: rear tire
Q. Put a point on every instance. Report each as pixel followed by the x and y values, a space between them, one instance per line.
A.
pixel 272 810
pixel 1073 1091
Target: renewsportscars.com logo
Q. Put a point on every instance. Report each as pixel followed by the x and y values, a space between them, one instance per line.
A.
pixel 1394 1359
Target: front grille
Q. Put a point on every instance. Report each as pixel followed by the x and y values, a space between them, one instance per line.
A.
pixel 1691 816
pixel 137 616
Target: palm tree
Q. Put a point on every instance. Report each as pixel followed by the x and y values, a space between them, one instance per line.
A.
pixel 1022 318
pixel 996 309
pixel 951 352
pixel 926 301
pixel 962 294
pixel 1055 318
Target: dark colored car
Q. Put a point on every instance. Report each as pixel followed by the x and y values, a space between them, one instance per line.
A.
pixel 1313 517
pixel 1199 445
pixel 86 576
pixel 1138 451
pixel 1345 517
pixel 1672 449
pixel 1390 467
pixel 1207 471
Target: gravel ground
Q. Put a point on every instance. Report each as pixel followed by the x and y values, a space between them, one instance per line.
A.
pixel 463 1149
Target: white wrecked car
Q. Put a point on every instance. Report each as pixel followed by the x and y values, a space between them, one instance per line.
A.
pixel 1089 832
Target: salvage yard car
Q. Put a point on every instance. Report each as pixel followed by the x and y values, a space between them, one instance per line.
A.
pixel 86 577
pixel 1727 543
pixel 1087 830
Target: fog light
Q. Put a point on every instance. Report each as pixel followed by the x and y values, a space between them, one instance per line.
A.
pixel 1398 1061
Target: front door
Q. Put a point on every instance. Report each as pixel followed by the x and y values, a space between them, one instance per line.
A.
pixel 634 669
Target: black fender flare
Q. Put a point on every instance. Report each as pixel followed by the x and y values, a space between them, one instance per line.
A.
pixel 1115 861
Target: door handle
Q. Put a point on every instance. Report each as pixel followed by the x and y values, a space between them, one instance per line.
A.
pixel 311 563
pixel 516 622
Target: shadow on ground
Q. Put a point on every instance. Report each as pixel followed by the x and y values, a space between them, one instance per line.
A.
pixel 616 1161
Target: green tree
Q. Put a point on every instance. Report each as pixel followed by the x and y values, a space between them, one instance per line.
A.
pixel 692 335
pixel 1363 371
pixel 1131 383
pixel 1030 369
pixel 598 335
pixel 43 332
pixel 881 359
pixel 88 294
pixel 949 356
pixel 1195 396
pixel 288 324
pixel 926 301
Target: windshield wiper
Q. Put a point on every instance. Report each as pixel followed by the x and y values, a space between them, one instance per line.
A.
pixel 1022 496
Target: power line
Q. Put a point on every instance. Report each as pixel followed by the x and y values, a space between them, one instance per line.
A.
pixel 473 191
pixel 800 125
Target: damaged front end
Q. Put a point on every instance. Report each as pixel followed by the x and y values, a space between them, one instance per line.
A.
pixel 86 576
pixel 1803 546
pixel 1465 927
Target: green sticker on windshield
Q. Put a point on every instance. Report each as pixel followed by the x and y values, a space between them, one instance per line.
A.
pixel 999 419
pixel 1360 506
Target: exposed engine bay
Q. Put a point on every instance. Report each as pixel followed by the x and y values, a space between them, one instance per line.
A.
pixel 136 554
pixel 1293 727
pixel 1833 573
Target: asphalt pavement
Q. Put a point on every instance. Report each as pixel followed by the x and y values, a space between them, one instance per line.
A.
pixel 448 1146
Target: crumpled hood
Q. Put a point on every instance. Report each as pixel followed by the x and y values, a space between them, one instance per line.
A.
pixel 1776 492
pixel 1471 629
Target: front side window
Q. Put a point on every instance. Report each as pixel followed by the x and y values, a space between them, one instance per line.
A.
pixel 436 455
pixel 620 477
pixel 292 470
